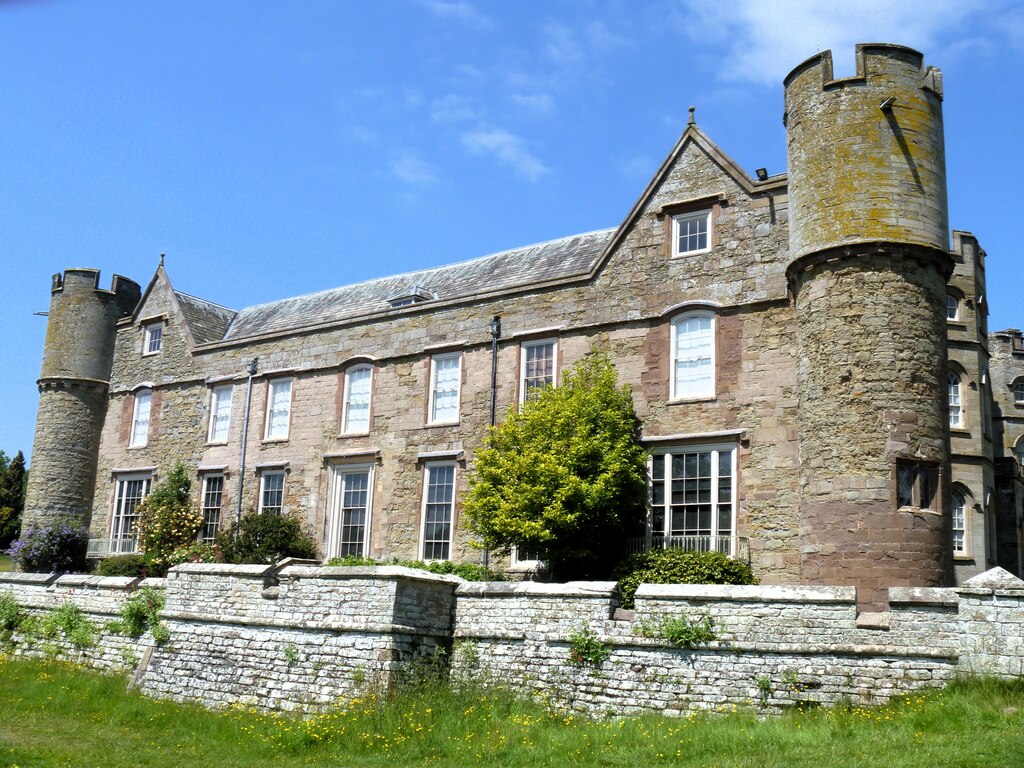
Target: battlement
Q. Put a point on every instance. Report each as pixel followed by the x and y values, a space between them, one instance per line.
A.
pixel 877 64
pixel 79 279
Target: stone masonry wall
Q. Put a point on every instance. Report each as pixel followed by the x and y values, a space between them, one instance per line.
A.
pixel 300 637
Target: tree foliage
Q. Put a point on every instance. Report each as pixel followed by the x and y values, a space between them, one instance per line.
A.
pixel 265 538
pixel 13 479
pixel 564 476
pixel 168 519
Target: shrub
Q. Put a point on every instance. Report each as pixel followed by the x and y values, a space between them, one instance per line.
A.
pixel 564 476
pixel 585 649
pixel 196 552
pixel 11 614
pixel 55 548
pixel 168 520
pixel 679 631
pixel 468 571
pixel 123 565
pixel 68 621
pixel 140 612
pixel 265 538
pixel 676 566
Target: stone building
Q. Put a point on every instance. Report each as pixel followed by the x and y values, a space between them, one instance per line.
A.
pixel 805 350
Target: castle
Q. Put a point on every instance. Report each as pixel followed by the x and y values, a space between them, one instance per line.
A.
pixel 808 356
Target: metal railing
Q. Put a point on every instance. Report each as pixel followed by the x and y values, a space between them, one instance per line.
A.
pixel 106 547
pixel 734 546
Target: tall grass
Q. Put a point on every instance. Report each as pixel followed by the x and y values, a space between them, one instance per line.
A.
pixel 58 715
pixel 6 563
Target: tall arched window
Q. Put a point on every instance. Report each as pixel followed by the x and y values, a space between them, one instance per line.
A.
pixel 1018 451
pixel 693 356
pixel 956 412
pixel 140 418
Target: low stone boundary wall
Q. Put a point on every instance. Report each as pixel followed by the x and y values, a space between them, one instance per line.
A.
pixel 298 636
pixel 100 598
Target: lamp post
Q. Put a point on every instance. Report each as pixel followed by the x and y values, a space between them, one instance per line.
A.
pixel 250 368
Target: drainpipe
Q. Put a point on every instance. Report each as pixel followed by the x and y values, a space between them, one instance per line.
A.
pixel 251 369
pixel 495 335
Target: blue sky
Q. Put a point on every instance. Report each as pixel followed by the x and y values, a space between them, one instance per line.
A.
pixel 272 149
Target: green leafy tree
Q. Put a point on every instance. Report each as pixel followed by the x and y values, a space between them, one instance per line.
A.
pixel 564 476
pixel 13 479
pixel 168 519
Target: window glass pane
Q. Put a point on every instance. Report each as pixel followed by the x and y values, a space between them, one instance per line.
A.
pixel 955 412
pixel 692 233
pixel 130 491
pixel 445 388
pixel 905 476
pixel 693 374
pixel 357 399
pixel 1018 392
pixel 213 494
pixel 279 408
pixel 154 338
pixel 952 307
pixel 437 512
pixel 354 512
pixel 272 492
pixel 140 424
pixel 220 414
pixel 538 367
pixel 959 526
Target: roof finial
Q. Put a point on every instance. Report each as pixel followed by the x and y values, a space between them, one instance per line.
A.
pixel 161 259
pixel 691 121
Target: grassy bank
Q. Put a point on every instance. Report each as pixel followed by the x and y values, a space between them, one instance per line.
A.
pixel 57 715
pixel 6 563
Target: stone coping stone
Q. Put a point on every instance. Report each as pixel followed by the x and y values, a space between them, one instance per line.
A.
pixel 223 569
pixel 923 596
pixel 594 589
pixel 380 572
pixel 154 583
pixel 994 578
pixel 741 593
pixel 981 592
pixel 97 582
pixel 41 579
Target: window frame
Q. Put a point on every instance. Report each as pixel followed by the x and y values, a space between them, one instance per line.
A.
pixel 122 525
pixel 270 410
pixel 347 400
pixel 703 214
pixel 432 398
pixel 957 418
pixel 206 508
pixel 335 522
pixel 215 402
pixel 152 332
pixel 925 479
pixel 143 394
pixel 1018 451
pixel 964 550
pixel 428 469
pixel 262 505
pixel 711 390
pixel 1017 392
pixel 524 347
pixel 664 454
pixel 953 302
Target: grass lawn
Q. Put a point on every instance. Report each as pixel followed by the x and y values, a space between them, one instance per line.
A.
pixel 6 563
pixel 58 715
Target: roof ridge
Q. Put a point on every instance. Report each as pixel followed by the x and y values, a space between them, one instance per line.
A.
pixel 205 301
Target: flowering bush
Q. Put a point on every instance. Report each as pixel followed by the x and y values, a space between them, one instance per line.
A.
pixel 55 548
pixel 167 518
pixel 196 552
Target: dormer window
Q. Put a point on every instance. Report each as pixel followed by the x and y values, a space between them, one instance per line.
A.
pixel 413 295
pixel 152 338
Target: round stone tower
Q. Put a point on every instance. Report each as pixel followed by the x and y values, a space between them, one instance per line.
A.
pixel 73 384
pixel 869 245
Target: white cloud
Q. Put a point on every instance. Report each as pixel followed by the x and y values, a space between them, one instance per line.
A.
pixel 451 108
pixel 408 166
pixel 765 39
pixel 534 102
pixel 506 147
pixel 458 10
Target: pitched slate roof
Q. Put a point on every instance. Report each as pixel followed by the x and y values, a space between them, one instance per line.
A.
pixel 554 260
pixel 207 321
